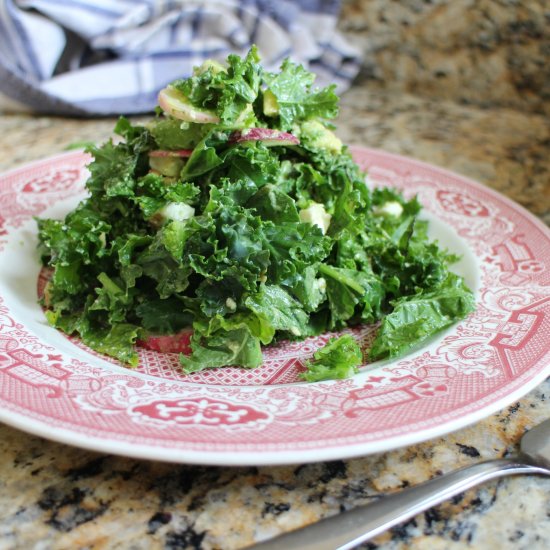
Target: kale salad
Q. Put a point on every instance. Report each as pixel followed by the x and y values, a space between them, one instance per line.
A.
pixel 238 217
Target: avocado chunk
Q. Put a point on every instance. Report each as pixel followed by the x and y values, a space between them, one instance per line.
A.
pixel 170 133
pixel 270 107
pixel 314 134
pixel 167 166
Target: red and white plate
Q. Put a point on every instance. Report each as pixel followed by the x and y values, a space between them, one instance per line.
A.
pixel 55 387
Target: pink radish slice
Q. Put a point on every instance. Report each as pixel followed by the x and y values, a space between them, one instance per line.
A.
pixel 267 136
pixel 170 343
pixel 175 103
pixel 181 153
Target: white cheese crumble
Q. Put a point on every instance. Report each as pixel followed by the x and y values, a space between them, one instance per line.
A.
pixel 178 211
pixel 315 214
pixel 390 208
pixel 321 284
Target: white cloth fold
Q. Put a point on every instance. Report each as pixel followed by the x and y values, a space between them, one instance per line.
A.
pixel 99 57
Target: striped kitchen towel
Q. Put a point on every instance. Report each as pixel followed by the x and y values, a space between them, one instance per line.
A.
pixel 100 57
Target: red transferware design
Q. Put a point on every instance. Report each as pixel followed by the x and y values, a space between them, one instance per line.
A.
pixel 56 387
pixel 201 410
pixel 463 204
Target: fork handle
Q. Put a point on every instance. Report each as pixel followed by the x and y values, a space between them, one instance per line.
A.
pixel 348 529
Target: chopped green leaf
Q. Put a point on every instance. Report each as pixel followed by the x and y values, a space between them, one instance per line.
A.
pixel 338 358
pixel 292 88
pixel 416 318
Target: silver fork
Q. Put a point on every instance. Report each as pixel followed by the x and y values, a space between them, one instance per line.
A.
pixel 348 529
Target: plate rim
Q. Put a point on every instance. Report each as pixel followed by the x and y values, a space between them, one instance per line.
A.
pixel 272 458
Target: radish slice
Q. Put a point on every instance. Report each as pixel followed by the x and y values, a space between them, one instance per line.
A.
pixel 170 343
pixel 181 153
pixel 267 136
pixel 175 103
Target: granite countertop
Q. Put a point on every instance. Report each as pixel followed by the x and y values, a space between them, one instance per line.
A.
pixel 58 497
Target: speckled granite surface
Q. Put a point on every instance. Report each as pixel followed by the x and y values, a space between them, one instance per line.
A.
pixel 478 52
pixel 58 497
